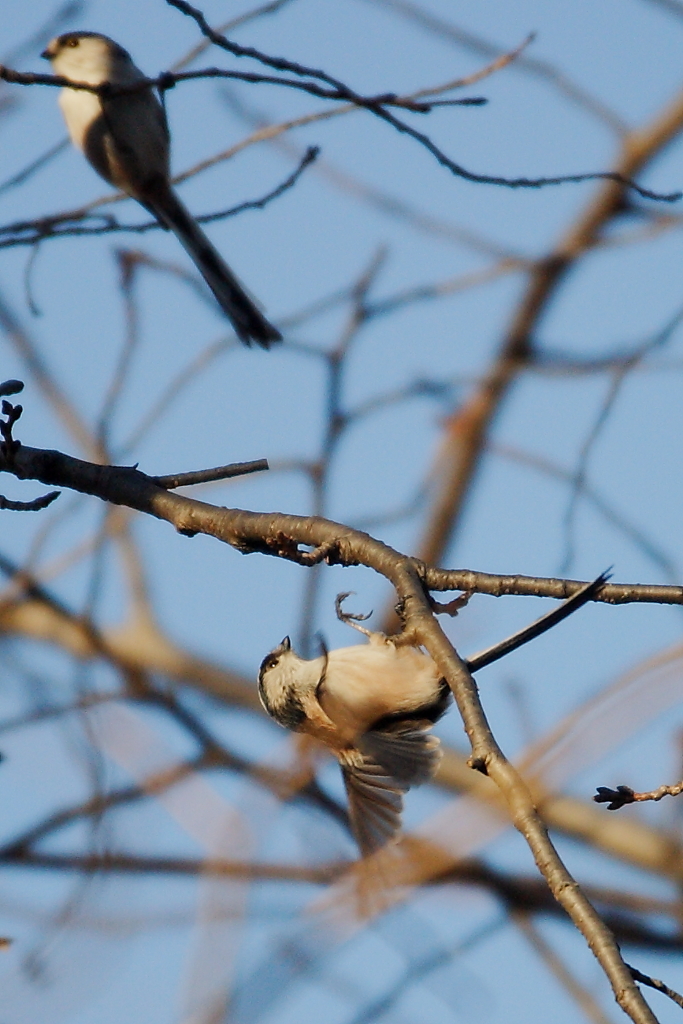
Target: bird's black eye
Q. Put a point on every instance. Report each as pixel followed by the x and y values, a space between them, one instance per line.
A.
pixel 73 41
pixel 270 661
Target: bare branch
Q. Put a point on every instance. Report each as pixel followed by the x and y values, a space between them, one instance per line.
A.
pixel 30 232
pixel 242 19
pixel 531 65
pixel 29 506
pixel 655 983
pixel 283 535
pixel 543 586
pixel 623 795
pixel 467 431
pixel 377 105
pixel 136 864
pixel 205 476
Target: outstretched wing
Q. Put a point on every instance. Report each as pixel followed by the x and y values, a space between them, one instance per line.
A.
pixel 375 804
pixel 395 757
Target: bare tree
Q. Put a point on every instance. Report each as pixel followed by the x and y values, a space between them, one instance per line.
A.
pixel 480 367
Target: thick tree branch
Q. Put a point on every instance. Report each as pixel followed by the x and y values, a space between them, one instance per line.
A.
pixel 289 536
pixel 284 535
pixel 468 429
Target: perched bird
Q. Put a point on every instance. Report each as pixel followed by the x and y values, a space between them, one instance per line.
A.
pixel 125 137
pixel 373 706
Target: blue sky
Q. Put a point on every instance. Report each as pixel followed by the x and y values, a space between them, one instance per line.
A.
pixel 312 242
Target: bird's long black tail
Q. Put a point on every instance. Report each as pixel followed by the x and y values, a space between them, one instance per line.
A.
pixel 248 321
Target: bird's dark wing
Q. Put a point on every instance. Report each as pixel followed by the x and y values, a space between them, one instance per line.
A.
pixel 375 804
pixel 405 750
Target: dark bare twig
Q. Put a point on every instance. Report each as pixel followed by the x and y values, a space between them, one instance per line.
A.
pixel 242 19
pixel 29 506
pixel 540 68
pixel 655 983
pixel 205 476
pixel 377 105
pixel 623 795
pixel 9 446
pixel 170 79
pixel 309 157
pixel 388 203
pixel 31 231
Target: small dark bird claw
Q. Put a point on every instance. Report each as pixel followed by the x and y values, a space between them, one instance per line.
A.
pixel 350 618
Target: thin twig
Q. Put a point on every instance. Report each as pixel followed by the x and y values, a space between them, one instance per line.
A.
pixel 29 506
pixel 59 225
pixel 655 983
pixel 205 476
pixel 623 795
pixel 377 105
pixel 540 68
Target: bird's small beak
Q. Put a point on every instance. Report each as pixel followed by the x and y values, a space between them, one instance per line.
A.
pixel 46 55
pixel 286 644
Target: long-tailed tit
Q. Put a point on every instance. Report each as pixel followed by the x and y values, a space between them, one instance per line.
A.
pixel 126 140
pixel 373 706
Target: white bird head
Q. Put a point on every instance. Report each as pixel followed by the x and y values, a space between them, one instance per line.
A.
pixel 89 57
pixel 283 679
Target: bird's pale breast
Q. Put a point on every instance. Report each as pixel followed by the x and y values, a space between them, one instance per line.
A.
pixel 364 683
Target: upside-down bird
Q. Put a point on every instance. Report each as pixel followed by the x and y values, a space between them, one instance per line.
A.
pixel 373 706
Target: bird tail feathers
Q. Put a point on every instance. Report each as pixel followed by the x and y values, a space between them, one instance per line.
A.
pixel 249 323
